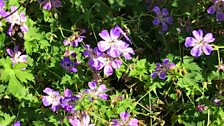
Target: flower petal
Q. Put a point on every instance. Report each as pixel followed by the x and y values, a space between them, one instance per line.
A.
pixel 105 35
pixel 103 46
pixel 165 12
pixel 164 27
pixel 190 41
pixel 196 51
pixel 156 21
pixel 162 75
pixel 108 70
pixel 198 34
pixel 46 100
pixel 211 9
pixel 124 116
pixel 208 38
pixel 92 85
pixel 156 9
pixel 116 64
pixel 207 49
pixel 115 33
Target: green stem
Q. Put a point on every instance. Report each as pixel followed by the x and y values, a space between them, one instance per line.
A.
pixel 164 40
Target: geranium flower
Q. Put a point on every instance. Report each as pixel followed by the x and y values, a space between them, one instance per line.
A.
pixel 16 56
pixel 199 43
pixel 111 43
pixel 16 18
pixel 17 123
pixel 217 9
pixel 67 102
pixel 69 65
pixel 161 69
pixel 97 91
pixel 52 99
pixel 80 120
pixel 125 120
pixel 49 4
pixel 162 18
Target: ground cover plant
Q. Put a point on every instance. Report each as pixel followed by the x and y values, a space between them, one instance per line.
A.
pixel 111 62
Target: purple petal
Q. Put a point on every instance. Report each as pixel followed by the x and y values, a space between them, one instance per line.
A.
pixel 124 116
pixel 156 9
pixel 67 93
pixel 154 75
pixel 114 52
pixel 165 12
pixel 133 122
pixel 48 90
pixel 162 75
pixel 168 20
pixel 103 46
pixel 156 21
pixel 75 122
pixel 92 85
pixel 23 58
pixel 220 16
pixel 10 52
pixel 56 3
pixel 115 122
pixel 103 96
pixel 166 61
pixel 190 41
pixel 198 35
pixel 47 6
pixel 207 49
pixel 115 33
pixel 208 38
pixel 46 100
pixel 196 51
pixel 116 64
pixel 108 70
pixel 105 35
pixel 164 27
pixel 102 88
pixel 66 42
pixel 211 9
pixel 17 123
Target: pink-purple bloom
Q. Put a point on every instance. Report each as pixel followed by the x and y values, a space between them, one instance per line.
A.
pixel 217 8
pixel 200 43
pixel 80 119
pixel 162 18
pixel 67 102
pixel 201 107
pixel 97 91
pixel 16 19
pixel 124 120
pixel 16 56
pixel 49 4
pixel 68 64
pixel 111 42
pixel 161 69
pixel 52 99
pixel 17 123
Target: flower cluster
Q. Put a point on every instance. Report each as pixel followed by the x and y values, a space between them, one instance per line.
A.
pixel 162 18
pixel 199 43
pixel 161 69
pixel 217 9
pixel 16 56
pixel 106 55
pixel 49 4
pixel 124 120
pixel 68 102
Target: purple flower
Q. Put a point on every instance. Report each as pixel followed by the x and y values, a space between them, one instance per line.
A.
pixel 75 39
pixel 16 18
pixel 111 42
pixel 97 91
pixel 217 102
pixel 16 56
pixel 80 120
pixel 68 65
pixel 67 102
pixel 2 11
pixel 125 120
pixel 217 9
pixel 161 69
pixel 52 99
pixel 48 4
pixel 17 123
pixel 201 108
pixel 162 18
pixel 200 43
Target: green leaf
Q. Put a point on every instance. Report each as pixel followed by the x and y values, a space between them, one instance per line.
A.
pixel 6 119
